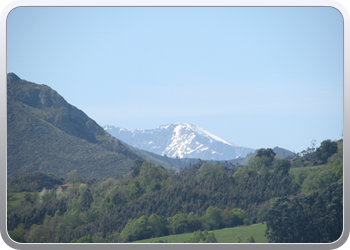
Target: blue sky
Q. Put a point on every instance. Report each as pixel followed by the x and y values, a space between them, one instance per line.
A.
pixel 256 77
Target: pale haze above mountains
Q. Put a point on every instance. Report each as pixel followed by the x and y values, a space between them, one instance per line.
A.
pixel 181 140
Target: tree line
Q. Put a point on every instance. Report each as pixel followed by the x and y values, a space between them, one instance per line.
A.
pixel 151 201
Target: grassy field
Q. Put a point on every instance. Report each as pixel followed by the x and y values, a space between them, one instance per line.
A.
pixel 226 235
pixel 294 171
pixel 14 199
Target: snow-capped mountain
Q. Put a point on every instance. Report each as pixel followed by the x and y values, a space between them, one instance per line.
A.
pixel 180 140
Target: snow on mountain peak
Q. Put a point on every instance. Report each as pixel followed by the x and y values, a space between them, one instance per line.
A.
pixel 181 140
pixel 198 130
pixel 209 135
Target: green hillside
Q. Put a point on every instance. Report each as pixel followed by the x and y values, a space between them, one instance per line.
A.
pixel 45 133
pixel 226 235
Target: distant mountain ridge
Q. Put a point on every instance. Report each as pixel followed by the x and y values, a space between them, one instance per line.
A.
pixel 283 153
pixel 180 140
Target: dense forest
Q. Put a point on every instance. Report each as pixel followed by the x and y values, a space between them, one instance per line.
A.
pixel 299 199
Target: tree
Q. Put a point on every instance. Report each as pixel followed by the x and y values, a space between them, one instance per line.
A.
pixel 73 177
pixel 18 234
pixel 337 169
pixel 259 163
pixel 263 158
pixel 203 237
pixel 213 218
pixel 86 200
pixel 134 190
pixel 159 225
pixel 210 169
pixel 136 230
pixel 312 145
pixel 233 217
pixel 281 166
pixel 38 234
pixel 136 168
pixel 113 238
pixel 313 218
pixel 179 224
pixel 326 149
pixel 250 239
pixel 265 152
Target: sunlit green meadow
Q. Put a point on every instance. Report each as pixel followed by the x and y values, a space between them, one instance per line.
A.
pixel 226 235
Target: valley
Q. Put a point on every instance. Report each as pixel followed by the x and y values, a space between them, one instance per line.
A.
pixel 71 181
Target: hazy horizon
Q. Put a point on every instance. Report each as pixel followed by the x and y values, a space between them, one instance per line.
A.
pixel 255 77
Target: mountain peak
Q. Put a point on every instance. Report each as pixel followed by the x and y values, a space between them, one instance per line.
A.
pixel 196 129
pixel 12 77
pixel 47 134
pixel 53 108
pixel 180 140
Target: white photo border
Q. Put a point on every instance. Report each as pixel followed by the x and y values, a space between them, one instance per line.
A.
pixel 9 243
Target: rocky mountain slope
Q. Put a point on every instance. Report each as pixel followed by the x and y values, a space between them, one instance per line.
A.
pixel 47 134
pixel 180 140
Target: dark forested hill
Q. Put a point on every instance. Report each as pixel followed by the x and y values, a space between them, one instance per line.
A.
pixel 47 134
pixel 307 218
